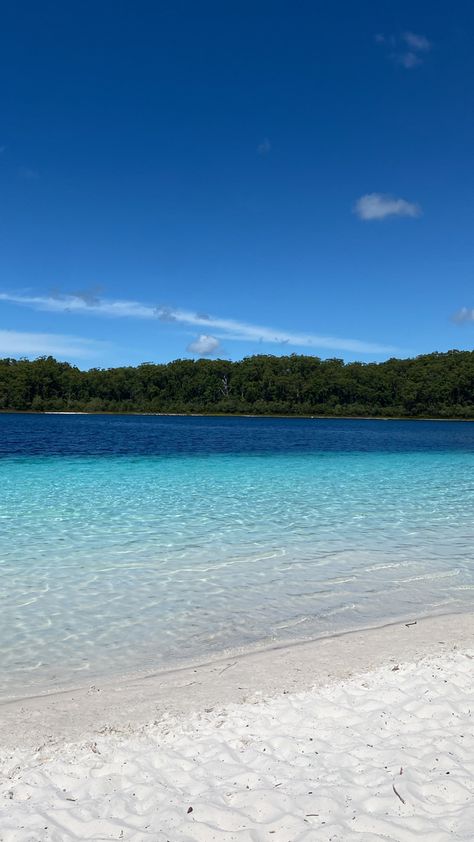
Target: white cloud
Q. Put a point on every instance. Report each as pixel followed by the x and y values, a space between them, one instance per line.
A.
pixel 222 328
pixel 15 343
pixel 465 314
pixel 381 205
pixel 396 48
pixel 204 346
pixel 408 60
pixel 264 147
pixel 417 42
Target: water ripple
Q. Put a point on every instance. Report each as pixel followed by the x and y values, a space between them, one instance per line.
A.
pixel 112 564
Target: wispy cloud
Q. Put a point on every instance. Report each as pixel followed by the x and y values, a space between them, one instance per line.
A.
pixel 408 59
pixel 408 49
pixel 381 205
pixel 222 328
pixel 204 346
pixel 15 343
pixel 28 174
pixel 417 42
pixel 90 295
pixel 165 314
pixel 264 147
pixel 465 314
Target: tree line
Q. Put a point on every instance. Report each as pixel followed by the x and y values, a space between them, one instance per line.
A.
pixel 432 385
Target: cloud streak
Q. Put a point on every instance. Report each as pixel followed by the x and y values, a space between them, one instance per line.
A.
pixel 382 205
pixel 465 314
pixel 222 328
pixel 15 343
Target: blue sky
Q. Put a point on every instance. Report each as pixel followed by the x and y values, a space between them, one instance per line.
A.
pixel 222 179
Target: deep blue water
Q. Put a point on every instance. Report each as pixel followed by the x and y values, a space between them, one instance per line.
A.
pixel 150 435
pixel 129 542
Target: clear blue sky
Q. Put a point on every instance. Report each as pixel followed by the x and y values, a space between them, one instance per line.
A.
pixel 229 178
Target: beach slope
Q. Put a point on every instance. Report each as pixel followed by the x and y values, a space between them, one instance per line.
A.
pixel 385 754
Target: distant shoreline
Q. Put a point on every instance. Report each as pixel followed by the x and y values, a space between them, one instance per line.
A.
pixel 437 386
pixel 239 415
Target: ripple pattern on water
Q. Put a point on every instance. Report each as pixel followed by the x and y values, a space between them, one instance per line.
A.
pixel 113 564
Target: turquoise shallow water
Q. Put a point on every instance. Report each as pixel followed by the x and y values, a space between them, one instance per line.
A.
pixel 110 564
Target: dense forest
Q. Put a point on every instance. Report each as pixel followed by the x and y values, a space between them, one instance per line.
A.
pixel 433 385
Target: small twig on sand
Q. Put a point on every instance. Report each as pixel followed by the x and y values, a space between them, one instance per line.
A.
pixel 398 794
pixel 413 623
pixel 228 667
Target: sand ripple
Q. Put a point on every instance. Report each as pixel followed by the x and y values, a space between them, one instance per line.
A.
pixel 388 755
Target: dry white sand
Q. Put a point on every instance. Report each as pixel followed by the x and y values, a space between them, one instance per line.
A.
pixel 381 755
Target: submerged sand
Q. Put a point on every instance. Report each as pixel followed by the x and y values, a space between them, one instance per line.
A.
pixel 363 736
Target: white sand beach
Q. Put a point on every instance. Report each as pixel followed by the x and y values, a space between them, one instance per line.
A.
pixel 363 736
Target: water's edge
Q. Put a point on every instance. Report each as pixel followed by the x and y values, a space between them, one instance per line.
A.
pixel 129 705
pixel 263 647
pixel 242 415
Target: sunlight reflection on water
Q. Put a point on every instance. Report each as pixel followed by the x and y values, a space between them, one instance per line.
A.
pixel 112 564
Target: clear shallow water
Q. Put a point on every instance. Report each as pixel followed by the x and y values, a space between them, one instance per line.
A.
pixel 133 542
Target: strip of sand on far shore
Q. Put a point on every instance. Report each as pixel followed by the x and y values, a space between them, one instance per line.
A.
pixel 366 735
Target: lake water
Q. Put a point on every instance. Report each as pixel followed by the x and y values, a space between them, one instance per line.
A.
pixel 132 542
